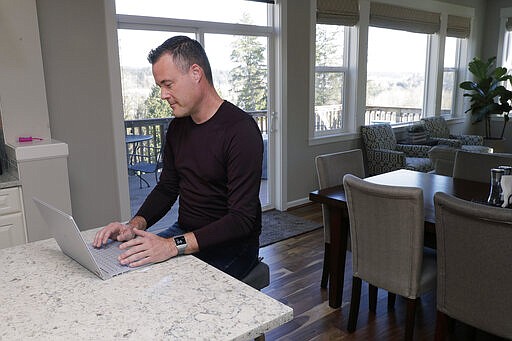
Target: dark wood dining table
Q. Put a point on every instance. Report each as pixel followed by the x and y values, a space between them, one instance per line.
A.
pixel 334 198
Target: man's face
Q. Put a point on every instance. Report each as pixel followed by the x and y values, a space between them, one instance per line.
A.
pixel 177 88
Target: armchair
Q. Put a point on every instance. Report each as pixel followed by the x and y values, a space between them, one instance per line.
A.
pixel 437 129
pixel 384 154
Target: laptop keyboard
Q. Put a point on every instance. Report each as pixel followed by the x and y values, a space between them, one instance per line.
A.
pixel 106 257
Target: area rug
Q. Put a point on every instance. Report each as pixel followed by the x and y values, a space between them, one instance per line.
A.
pixel 277 226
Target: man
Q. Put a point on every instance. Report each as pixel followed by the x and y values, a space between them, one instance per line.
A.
pixel 212 161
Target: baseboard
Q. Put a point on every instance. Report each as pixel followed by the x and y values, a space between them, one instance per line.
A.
pixel 299 202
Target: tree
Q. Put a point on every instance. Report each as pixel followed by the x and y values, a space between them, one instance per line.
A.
pixel 155 107
pixel 327 84
pixel 249 77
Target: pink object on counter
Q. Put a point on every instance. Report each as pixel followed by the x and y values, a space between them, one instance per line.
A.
pixel 29 139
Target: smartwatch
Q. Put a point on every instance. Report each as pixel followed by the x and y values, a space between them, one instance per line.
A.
pixel 181 244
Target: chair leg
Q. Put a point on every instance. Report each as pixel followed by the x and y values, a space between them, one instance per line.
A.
pixel 391 301
pixel 441 326
pixel 139 174
pixel 354 304
pixel 410 319
pixel 325 270
pixel 372 297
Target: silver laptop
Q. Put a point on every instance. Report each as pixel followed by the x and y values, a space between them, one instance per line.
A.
pixel 101 261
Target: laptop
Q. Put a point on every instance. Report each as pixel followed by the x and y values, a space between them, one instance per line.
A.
pixel 102 261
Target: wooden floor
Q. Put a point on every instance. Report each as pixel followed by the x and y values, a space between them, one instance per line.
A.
pixel 296 268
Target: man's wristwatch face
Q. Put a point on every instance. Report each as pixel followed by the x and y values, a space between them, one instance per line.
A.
pixel 181 244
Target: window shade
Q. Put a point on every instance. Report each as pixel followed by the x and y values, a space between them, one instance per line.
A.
pixel 458 27
pixel 336 12
pixel 508 24
pixel 265 1
pixel 403 18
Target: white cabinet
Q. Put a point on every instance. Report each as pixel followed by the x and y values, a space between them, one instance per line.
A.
pixel 12 227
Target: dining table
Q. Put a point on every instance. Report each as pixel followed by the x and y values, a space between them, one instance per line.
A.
pixel 334 198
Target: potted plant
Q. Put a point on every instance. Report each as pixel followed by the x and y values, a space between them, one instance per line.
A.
pixel 489 98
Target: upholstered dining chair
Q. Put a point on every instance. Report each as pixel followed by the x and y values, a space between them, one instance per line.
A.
pixel 387 227
pixel 437 129
pixel 474 254
pixel 477 166
pixel 383 153
pixel 330 170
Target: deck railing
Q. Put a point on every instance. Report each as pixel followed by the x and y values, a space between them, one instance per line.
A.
pixel 395 115
pixel 327 116
pixel 391 115
pixel 157 127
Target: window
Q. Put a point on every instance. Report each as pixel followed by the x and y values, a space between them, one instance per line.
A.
pixel 507 53
pixel 395 75
pixel 240 69
pixel 450 79
pixel 237 37
pixel 505 42
pixel 141 97
pixel 330 76
pixel 236 46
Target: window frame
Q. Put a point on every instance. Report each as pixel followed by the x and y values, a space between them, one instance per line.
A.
pixel 505 40
pixel 456 69
pixel 343 70
pixel 355 84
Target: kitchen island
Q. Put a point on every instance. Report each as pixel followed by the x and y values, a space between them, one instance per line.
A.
pixel 46 295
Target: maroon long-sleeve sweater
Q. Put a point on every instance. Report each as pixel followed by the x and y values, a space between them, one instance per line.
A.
pixel 215 168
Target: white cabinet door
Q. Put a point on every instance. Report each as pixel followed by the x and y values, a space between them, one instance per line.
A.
pixel 12 231
pixel 10 200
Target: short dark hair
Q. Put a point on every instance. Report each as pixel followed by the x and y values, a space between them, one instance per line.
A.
pixel 185 52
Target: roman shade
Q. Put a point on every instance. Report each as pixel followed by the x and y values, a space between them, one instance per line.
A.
pixel 337 12
pixel 458 27
pixel 404 18
pixel 265 1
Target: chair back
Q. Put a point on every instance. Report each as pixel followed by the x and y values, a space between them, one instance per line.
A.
pixel 477 166
pixel 378 136
pixel 330 170
pixel 443 159
pixel 436 127
pixel 474 254
pixel 386 227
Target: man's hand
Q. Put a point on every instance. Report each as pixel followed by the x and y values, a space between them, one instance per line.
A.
pixel 114 231
pixel 146 248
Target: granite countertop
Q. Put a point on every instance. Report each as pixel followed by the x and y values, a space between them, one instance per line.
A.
pixel 46 295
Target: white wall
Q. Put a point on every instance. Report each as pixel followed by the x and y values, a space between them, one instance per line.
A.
pixel 22 88
pixel 84 101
